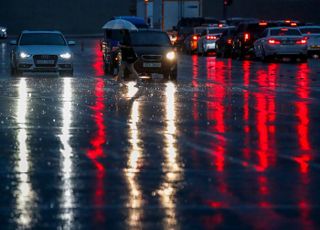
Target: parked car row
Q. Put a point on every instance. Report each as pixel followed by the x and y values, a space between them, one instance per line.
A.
pixel 247 38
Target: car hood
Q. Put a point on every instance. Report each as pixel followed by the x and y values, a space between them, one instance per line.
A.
pixel 52 50
pixel 152 50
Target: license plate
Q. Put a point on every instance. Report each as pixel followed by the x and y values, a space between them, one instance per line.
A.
pixel 45 62
pixel 151 65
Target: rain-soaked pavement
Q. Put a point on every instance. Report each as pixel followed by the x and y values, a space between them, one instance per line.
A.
pixel 232 144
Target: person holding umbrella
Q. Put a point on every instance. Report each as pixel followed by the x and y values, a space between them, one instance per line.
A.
pixel 128 56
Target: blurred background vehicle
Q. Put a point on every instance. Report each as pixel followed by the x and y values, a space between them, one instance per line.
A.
pixel 207 41
pixel 3 32
pixel 245 36
pixel 185 27
pixel 312 33
pixel 224 43
pixel 281 42
pixel 41 51
pixel 190 44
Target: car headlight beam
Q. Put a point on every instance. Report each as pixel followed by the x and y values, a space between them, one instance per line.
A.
pixel 24 55
pixel 65 56
pixel 171 55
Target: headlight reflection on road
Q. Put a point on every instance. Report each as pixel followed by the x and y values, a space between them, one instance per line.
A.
pixel 134 163
pixel 171 167
pixel 25 194
pixel 66 151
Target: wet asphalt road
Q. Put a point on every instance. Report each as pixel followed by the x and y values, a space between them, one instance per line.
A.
pixel 232 144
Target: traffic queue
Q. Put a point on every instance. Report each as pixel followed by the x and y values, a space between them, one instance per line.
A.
pixel 241 38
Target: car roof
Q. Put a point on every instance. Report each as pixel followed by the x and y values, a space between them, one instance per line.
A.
pixel 283 27
pixel 41 32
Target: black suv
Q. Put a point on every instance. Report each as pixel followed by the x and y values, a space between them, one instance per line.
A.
pixel 155 53
pixel 245 36
pixel 224 43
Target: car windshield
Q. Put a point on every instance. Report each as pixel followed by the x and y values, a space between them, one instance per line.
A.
pixel 285 32
pixel 310 30
pixel 147 38
pixel 216 30
pixel 54 39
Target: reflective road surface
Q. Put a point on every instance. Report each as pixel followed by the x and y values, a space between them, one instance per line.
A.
pixel 232 144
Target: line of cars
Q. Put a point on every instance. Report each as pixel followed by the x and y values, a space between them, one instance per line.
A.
pixel 246 38
pixel 49 51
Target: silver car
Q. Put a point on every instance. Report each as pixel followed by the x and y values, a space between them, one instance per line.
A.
pixel 42 51
pixel 3 32
pixel 281 41
pixel 313 35
pixel 207 41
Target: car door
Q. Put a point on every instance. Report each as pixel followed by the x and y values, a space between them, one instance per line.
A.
pixel 259 43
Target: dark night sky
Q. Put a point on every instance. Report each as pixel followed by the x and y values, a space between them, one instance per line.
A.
pixel 83 16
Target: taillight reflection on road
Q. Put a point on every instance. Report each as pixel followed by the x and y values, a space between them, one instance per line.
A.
pixel 216 110
pixel 97 152
pixel 98 60
pixel 302 114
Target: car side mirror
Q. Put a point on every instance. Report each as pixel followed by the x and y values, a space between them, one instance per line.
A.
pixel 71 43
pixel 13 42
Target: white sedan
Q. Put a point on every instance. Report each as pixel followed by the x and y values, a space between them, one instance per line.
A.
pixel 281 41
pixel 207 41
pixel 313 35
pixel 42 51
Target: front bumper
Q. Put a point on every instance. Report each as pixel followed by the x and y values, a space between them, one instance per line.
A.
pixel 29 65
pixel 161 67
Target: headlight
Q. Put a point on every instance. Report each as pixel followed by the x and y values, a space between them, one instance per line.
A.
pixel 3 30
pixel 24 55
pixel 171 55
pixel 65 55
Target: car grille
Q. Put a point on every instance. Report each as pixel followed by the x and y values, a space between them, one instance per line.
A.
pixel 151 57
pixel 45 60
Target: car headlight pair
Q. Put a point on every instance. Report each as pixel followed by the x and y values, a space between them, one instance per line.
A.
pixel 24 55
pixel 171 55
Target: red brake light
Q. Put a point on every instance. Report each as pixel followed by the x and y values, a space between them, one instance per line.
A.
pixel 211 37
pixel 293 24
pixel 287 21
pixel 229 41
pixel 195 38
pixel 301 42
pixel 246 37
pixel 263 24
pixel 220 25
pixel 274 42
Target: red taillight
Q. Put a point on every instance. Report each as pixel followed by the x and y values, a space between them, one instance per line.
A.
pixel 211 37
pixel 301 42
pixel 246 37
pixel 293 24
pixel 195 38
pixel 229 41
pixel 274 42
